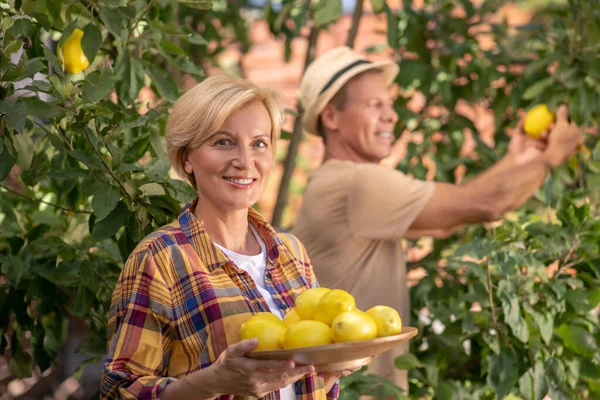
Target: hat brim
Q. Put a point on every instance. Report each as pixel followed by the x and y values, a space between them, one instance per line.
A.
pixel 311 116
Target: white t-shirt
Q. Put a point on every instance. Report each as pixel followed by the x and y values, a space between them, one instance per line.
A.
pixel 256 267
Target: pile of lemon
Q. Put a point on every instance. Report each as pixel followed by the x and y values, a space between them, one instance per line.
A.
pixel 321 316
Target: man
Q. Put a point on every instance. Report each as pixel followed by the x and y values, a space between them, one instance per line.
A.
pixel 355 212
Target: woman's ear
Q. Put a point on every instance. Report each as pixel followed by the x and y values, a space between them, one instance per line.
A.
pixel 330 117
pixel 187 165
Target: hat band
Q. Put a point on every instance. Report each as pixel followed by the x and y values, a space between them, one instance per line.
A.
pixel 341 72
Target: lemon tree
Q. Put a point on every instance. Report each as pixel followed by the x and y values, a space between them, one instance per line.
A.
pixel 507 310
pixel 85 91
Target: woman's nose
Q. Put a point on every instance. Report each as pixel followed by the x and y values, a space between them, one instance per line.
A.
pixel 242 159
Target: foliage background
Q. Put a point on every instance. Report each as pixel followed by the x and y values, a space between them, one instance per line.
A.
pixel 509 309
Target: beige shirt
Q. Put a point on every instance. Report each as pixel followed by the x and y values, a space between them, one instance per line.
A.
pixel 351 222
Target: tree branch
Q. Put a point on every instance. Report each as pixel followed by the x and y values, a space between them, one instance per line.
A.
pixel 42 201
pixel 87 137
pixel 289 163
pixel 358 9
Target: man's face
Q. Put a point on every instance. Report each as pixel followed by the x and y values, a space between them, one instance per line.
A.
pixel 365 126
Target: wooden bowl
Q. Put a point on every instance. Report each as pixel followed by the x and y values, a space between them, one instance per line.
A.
pixel 338 356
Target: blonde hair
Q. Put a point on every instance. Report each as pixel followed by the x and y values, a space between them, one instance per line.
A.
pixel 202 110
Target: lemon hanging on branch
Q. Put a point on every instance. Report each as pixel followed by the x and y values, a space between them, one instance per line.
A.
pixel 71 53
pixel 538 120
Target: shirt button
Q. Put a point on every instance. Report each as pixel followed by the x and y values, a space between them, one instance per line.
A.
pixel 268 275
pixel 299 384
pixel 284 306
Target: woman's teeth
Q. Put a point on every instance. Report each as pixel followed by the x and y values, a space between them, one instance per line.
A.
pixel 240 181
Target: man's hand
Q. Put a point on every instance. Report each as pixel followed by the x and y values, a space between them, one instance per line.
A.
pixel 522 148
pixel 564 138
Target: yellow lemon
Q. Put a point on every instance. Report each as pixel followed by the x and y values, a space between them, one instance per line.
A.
pixel 71 54
pixel 353 325
pixel 268 332
pixel 307 302
pixel 306 333
pixel 537 120
pixel 332 304
pixel 291 317
pixel 387 319
pixel 267 316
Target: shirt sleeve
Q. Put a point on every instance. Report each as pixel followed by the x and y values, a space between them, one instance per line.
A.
pixel 140 312
pixel 383 203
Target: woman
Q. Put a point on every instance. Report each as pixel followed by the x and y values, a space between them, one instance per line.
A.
pixel 187 287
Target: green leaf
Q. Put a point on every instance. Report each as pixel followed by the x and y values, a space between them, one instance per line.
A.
pixel 91 41
pixel 377 5
pixel 513 317
pixel 43 109
pixel 152 189
pixel 20 363
pixel 113 20
pixel 538 88
pixel 392 28
pixel 164 82
pixel 38 169
pixel 113 3
pixel 32 67
pixel 98 85
pixel 129 78
pixel 502 372
pixel 110 225
pixel 172 48
pixel 53 61
pixel 578 339
pixel 15 113
pixel 84 301
pixel 88 159
pixel 24 148
pixel 13 268
pixel 89 276
pixel 555 372
pixel 197 4
pixel 544 321
pixel 105 200
pixel 6 163
pixel 326 12
pixel 407 361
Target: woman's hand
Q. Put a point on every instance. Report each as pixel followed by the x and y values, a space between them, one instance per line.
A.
pixel 243 376
pixel 331 377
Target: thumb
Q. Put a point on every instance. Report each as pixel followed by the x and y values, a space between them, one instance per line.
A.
pixel 562 114
pixel 241 348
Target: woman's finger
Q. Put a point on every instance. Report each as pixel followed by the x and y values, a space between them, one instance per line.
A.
pixel 268 365
pixel 240 349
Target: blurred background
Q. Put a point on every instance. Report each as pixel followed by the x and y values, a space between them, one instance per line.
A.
pixel 506 310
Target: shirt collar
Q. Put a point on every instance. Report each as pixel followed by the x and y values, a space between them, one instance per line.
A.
pixel 211 254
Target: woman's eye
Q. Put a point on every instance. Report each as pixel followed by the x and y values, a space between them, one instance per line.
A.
pixel 222 142
pixel 260 143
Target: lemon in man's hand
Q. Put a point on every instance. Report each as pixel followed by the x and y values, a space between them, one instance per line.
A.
pixel 332 304
pixel 71 54
pixel 268 331
pixel 537 120
pixel 307 302
pixel 387 319
pixel 306 333
pixel 353 325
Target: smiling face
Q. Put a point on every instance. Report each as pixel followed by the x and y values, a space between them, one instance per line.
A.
pixel 232 167
pixel 362 129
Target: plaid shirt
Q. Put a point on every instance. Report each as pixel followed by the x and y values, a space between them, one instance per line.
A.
pixel 180 301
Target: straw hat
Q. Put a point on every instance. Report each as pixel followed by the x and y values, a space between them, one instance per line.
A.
pixel 325 76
